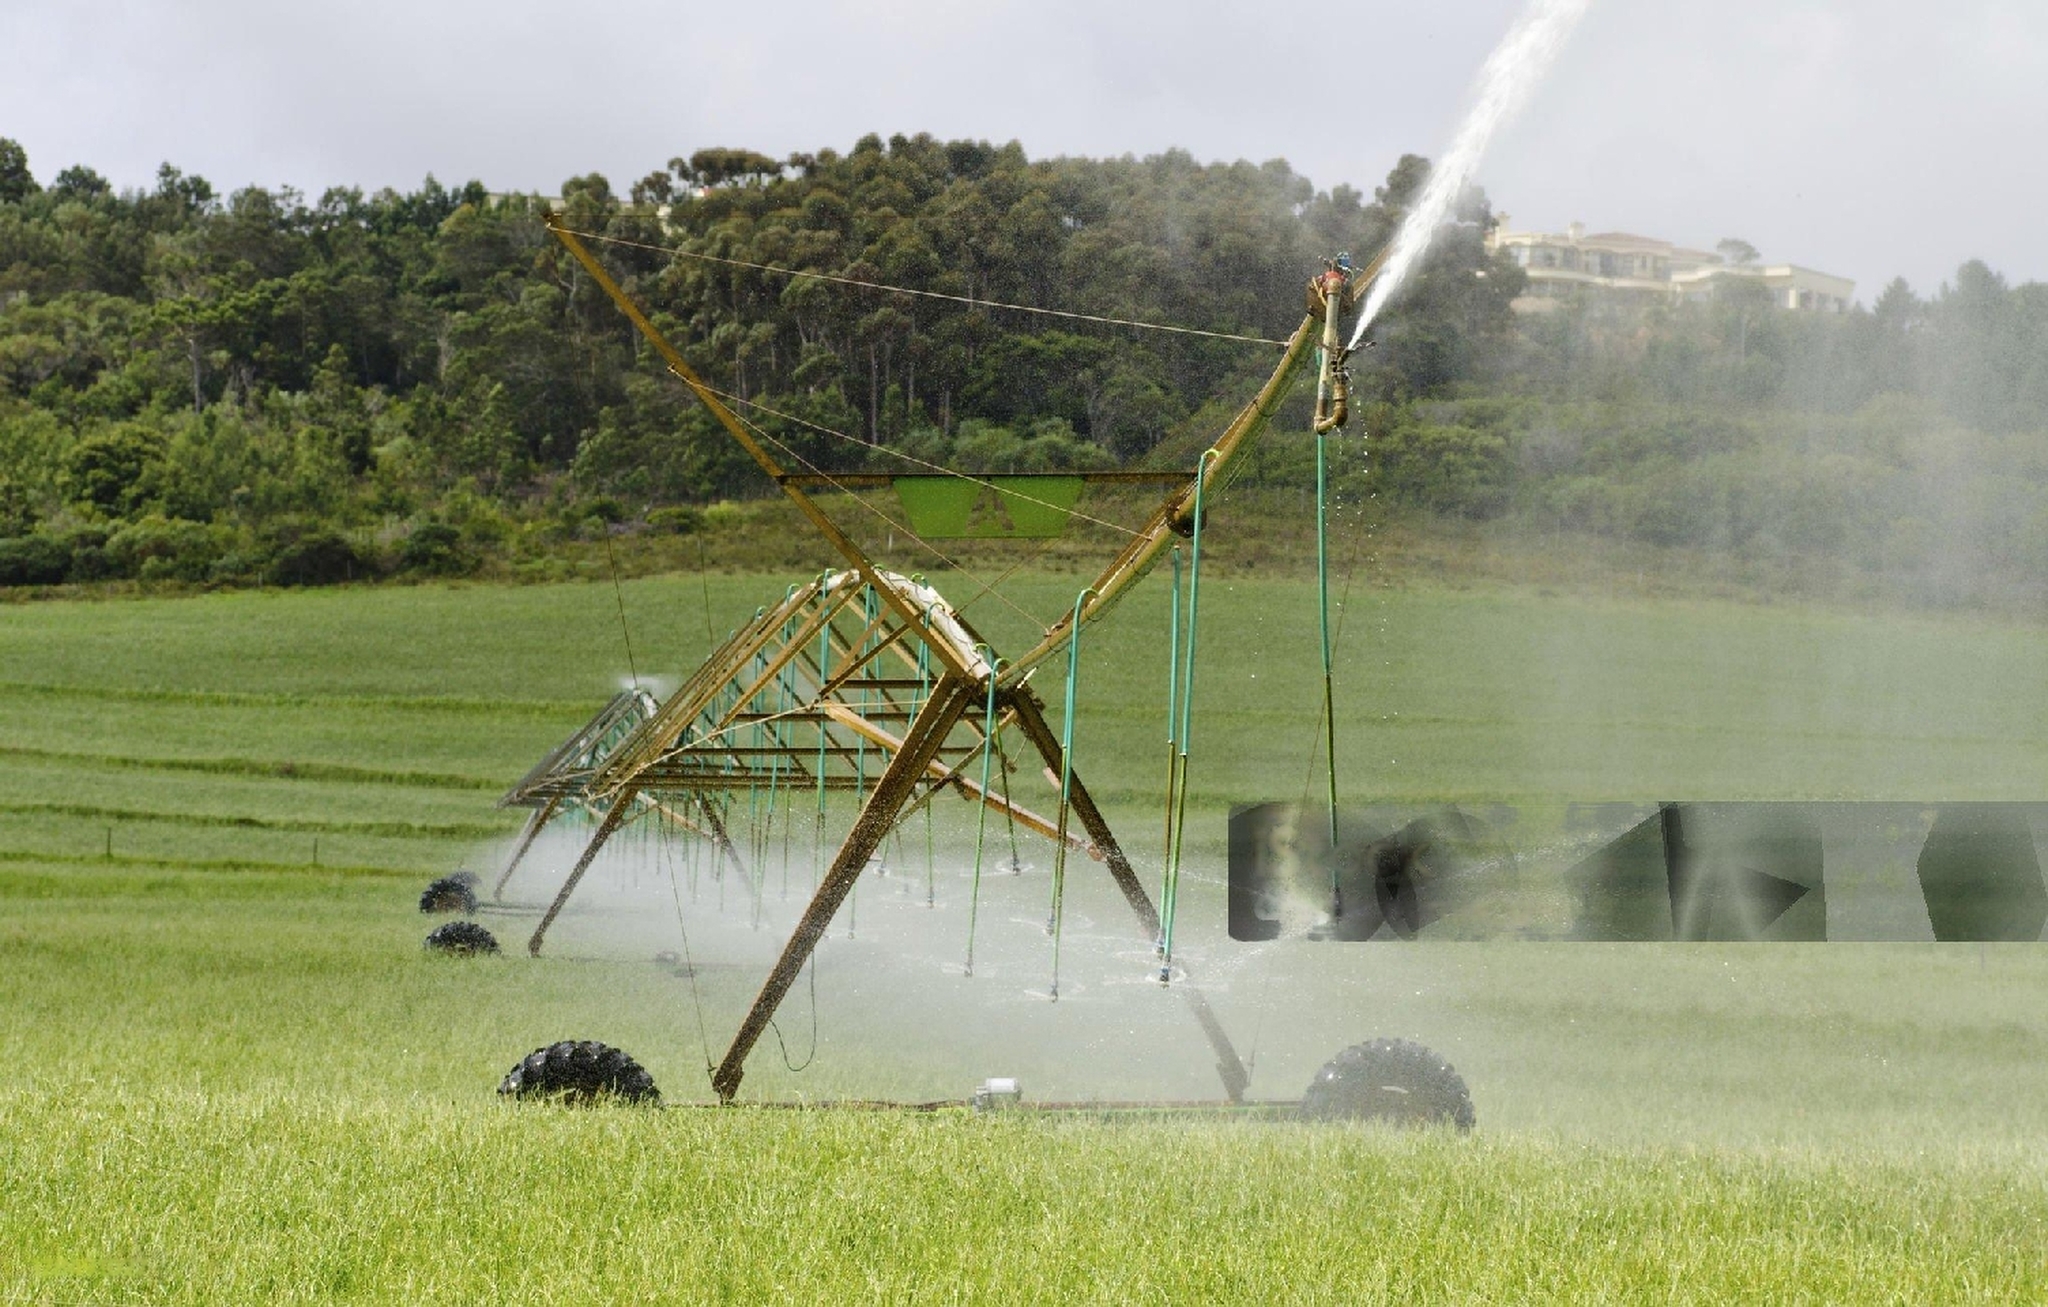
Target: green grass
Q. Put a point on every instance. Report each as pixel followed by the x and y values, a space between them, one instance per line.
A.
pixel 233 1076
pixel 251 1087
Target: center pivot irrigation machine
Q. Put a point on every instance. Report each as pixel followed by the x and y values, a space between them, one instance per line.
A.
pixel 867 681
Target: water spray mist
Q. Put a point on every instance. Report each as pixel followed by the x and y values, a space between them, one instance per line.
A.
pixel 1511 71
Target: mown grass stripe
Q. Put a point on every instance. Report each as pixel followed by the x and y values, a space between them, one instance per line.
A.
pixel 32 857
pixel 402 829
pixel 255 699
pixel 280 770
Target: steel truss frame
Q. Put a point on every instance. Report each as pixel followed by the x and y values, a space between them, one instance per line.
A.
pixel 693 740
pixel 562 777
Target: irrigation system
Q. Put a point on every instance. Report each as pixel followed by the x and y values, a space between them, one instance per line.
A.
pixel 866 681
pixel 863 664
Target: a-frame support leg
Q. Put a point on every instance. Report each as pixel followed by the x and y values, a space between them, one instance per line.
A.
pixel 539 818
pixel 1031 718
pixel 948 701
pixel 612 817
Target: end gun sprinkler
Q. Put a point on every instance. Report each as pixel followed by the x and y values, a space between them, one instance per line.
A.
pixel 1333 384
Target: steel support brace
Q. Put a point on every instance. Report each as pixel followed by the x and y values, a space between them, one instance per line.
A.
pixel 1031 717
pixel 612 818
pixel 950 698
pixel 540 818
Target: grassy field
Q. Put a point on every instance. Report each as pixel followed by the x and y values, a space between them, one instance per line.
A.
pixel 235 1077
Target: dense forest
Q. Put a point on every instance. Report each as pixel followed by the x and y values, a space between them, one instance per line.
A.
pixel 258 388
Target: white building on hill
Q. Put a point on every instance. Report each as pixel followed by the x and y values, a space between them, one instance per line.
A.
pixel 1620 267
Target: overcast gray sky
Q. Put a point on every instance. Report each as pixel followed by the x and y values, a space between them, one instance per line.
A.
pixel 1871 139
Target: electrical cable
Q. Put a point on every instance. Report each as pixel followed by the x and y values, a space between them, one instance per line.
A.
pixel 812 1056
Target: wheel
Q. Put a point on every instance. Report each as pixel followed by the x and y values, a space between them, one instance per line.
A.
pixel 462 938
pixel 1389 1080
pixel 580 1071
pixel 448 894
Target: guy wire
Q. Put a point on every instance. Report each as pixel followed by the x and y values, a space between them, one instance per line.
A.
pixel 704 583
pixel 620 597
pixel 968 300
pixel 914 459
pixel 689 966
pixel 894 525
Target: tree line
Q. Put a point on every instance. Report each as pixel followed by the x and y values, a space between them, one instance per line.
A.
pixel 259 386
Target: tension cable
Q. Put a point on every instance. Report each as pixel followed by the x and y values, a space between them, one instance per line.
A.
pixel 968 300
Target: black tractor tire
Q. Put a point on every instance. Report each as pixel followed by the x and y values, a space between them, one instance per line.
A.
pixel 448 894
pixel 1393 1080
pixel 461 938
pixel 580 1071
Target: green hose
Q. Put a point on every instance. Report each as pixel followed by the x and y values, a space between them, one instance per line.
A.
pixel 1171 897
pixel 1329 691
pixel 1172 767
pixel 988 740
pixel 1059 857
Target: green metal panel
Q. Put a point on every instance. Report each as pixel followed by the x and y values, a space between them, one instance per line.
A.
pixel 993 508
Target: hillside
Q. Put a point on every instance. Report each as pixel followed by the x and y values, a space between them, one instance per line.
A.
pixel 261 388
